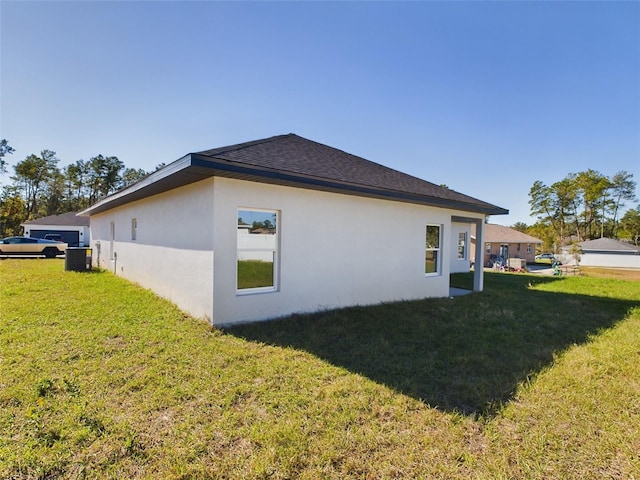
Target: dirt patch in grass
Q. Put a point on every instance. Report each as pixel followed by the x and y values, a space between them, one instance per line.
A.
pixel 631 274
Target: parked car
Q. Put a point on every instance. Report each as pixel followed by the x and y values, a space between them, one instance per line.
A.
pixel 546 258
pixel 31 246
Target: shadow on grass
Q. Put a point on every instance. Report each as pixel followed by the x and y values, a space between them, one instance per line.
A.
pixel 466 354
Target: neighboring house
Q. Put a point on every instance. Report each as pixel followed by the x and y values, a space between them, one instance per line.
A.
pixel 606 252
pixel 73 229
pixel 506 243
pixel 336 230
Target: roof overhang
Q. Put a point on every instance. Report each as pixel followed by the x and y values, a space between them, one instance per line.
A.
pixel 194 167
pixel 601 251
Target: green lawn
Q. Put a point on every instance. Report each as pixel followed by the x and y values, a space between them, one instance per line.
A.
pixel 536 377
pixel 254 274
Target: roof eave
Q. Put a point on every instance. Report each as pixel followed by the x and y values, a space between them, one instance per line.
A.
pixel 227 168
pixel 157 182
pixel 194 167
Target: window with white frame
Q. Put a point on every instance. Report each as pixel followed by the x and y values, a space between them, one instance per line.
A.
pixel 134 229
pixel 462 245
pixel 257 251
pixel 432 250
pixel 488 247
pixel 528 248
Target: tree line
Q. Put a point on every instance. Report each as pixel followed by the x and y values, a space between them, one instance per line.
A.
pixel 39 187
pixel 583 206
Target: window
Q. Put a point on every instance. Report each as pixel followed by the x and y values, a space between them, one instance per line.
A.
pixel 432 250
pixel 488 247
pixel 462 245
pixel 518 249
pixel 257 251
pixel 528 248
pixel 134 229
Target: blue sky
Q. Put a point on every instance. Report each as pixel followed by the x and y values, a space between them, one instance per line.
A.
pixel 485 97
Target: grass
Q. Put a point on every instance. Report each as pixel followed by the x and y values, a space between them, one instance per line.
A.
pixel 619 273
pixel 533 378
pixel 254 274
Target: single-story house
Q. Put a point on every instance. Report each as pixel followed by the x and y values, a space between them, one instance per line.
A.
pixel 505 242
pixel 73 229
pixel 606 252
pixel 327 229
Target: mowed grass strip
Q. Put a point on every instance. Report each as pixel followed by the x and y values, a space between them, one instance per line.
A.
pixel 618 273
pixel 529 379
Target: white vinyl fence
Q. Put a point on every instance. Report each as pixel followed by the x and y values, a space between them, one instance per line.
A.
pixel 602 260
pixel 256 246
pixel 609 260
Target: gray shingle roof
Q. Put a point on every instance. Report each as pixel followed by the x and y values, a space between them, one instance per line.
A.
pixel 604 245
pixel 500 234
pixel 295 161
pixel 299 156
pixel 68 219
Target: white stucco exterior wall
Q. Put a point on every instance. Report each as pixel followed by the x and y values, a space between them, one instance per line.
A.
pixel 609 260
pixel 173 250
pixel 334 250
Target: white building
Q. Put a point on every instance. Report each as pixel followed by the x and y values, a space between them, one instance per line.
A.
pixel 329 229
pixel 73 229
pixel 605 252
